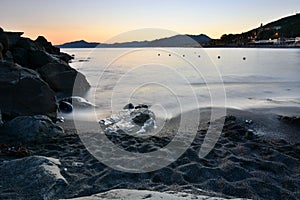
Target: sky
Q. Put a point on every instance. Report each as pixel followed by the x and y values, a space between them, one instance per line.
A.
pixel 62 21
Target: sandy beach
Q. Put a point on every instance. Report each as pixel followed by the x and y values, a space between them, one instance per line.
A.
pixel 257 160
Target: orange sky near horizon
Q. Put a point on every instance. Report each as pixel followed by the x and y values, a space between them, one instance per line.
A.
pixel 62 21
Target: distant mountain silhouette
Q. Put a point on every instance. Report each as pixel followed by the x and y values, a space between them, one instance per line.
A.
pixel 79 44
pixel 174 41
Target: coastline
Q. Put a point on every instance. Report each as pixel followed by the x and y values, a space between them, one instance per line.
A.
pixel 255 46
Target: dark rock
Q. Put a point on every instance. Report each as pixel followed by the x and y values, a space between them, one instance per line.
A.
pixel 65 57
pixel 24 93
pixel 8 56
pixel 28 129
pixel 33 177
pixel 129 106
pixel 40 58
pixel 28 44
pixel 42 42
pixel 63 79
pixel 65 107
pixel 3 41
pixel 141 106
pixel 140 117
pixel 78 102
pixel 295 121
pixel 13 38
pixel 20 56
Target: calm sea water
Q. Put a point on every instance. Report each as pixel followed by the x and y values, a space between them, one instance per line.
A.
pixel 173 80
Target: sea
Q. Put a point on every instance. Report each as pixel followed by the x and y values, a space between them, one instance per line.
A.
pixel 175 80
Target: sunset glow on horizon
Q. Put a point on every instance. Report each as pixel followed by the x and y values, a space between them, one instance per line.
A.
pixel 98 21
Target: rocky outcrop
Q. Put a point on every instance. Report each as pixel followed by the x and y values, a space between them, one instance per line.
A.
pixel 30 93
pixel 32 54
pixel 63 79
pixel 23 92
pixel 33 177
pixel 29 129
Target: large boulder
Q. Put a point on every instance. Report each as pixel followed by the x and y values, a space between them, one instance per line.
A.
pixel 23 92
pixel 40 58
pixel 63 79
pixel 20 56
pixel 30 129
pixel 35 177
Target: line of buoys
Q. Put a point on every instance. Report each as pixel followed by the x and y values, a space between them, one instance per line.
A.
pixel 199 56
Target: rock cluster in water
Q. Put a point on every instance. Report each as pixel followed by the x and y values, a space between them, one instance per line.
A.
pixel 132 119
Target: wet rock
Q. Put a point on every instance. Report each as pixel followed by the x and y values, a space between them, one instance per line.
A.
pixel 129 106
pixel 140 117
pixel 23 92
pixel 33 177
pixel 78 102
pixel 65 57
pixel 141 106
pixel 29 129
pixel 65 107
pixel 64 80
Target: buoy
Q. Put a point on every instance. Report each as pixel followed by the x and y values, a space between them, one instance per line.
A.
pixel 244 58
pixel 219 57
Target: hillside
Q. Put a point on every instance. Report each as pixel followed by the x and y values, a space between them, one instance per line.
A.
pixel 288 27
pixel 174 41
